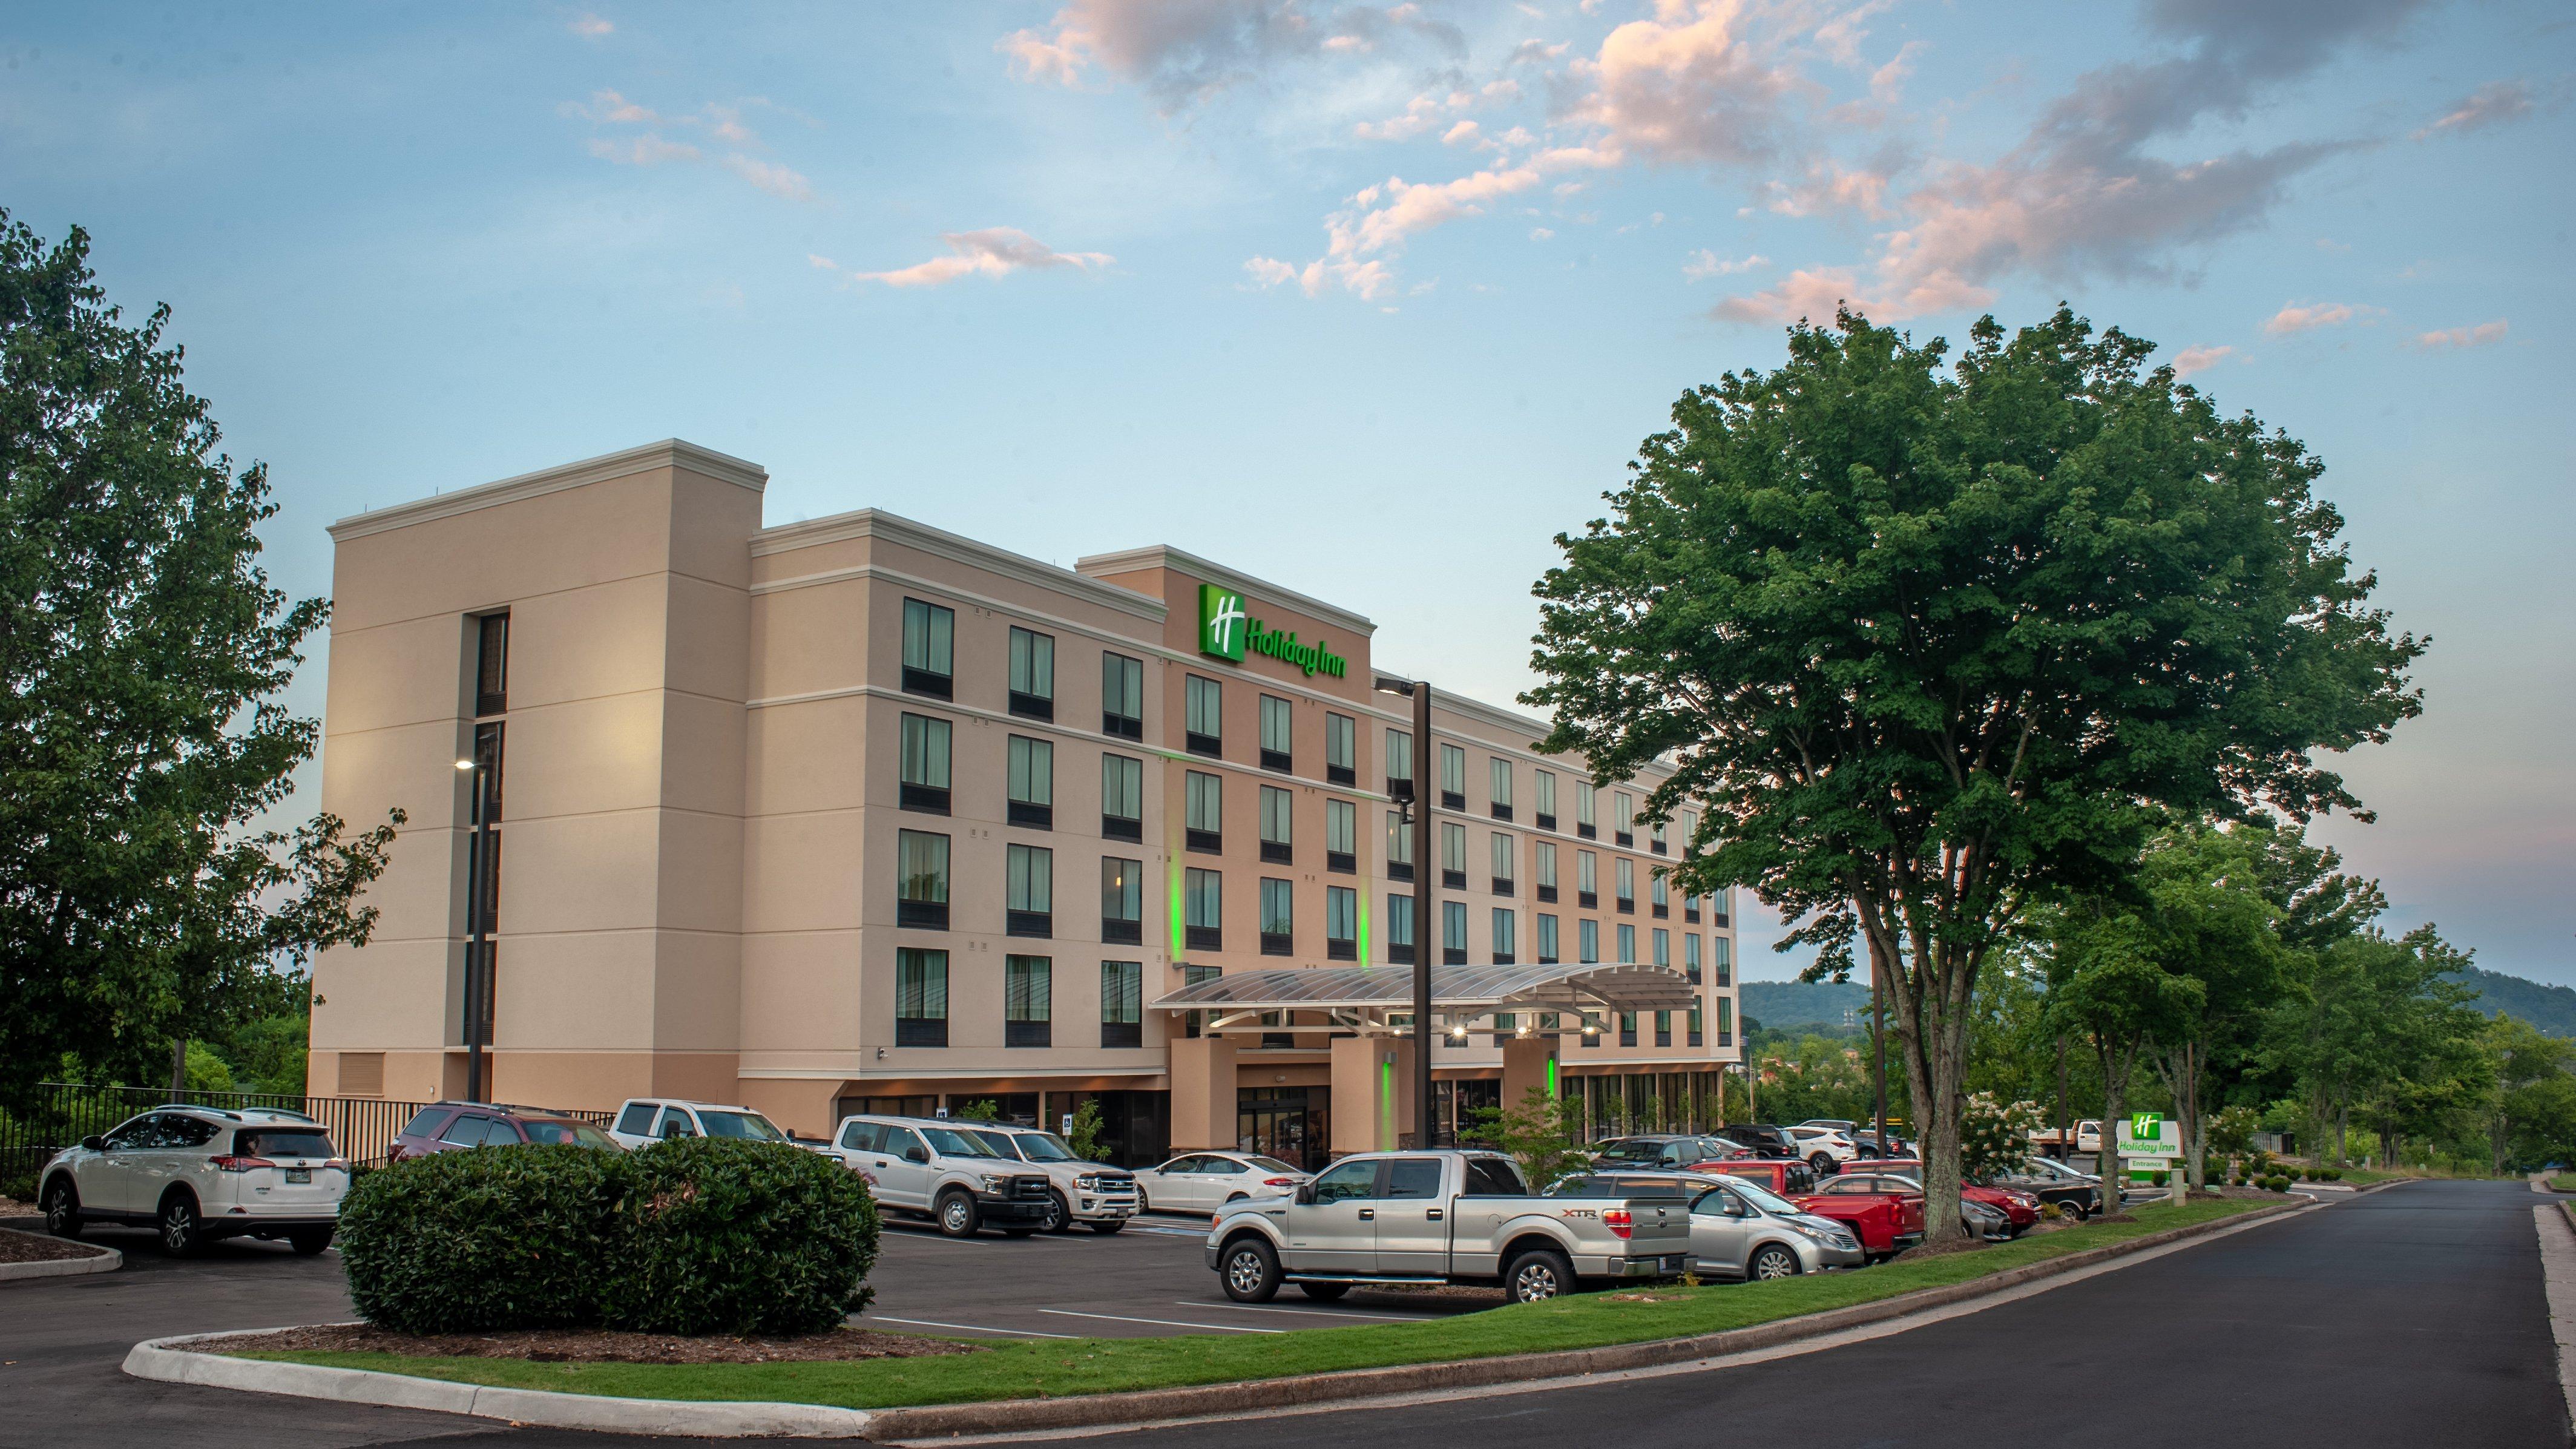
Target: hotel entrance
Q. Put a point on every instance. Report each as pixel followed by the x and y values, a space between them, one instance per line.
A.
pixel 1293 1124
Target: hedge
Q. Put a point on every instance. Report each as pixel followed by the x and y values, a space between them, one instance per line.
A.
pixel 693 1235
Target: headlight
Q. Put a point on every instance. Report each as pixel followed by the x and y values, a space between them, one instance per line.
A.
pixel 994 1182
pixel 1087 1182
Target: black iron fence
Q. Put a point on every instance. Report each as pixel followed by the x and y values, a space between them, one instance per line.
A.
pixel 65 1112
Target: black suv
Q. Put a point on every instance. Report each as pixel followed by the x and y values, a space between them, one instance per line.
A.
pixel 1765 1141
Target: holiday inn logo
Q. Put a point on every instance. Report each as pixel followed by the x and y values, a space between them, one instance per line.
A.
pixel 1227 630
pixel 2146 1126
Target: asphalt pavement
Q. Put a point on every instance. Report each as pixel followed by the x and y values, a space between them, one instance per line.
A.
pixel 2414 1317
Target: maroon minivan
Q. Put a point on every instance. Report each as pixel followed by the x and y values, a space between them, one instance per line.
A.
pixel 454 1126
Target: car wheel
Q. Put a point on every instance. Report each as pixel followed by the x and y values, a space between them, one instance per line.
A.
pixel 1821 1165
pixel 1144 1204
pixel 62 1209
pixel 1251 1271
pixel 1538 1275
pixel 1109 1227
pixel 182 1231
pixel 1324 1292
pixel 957 1215
pixel 308 1242
pixel 1059 1218
pixel 1772 1261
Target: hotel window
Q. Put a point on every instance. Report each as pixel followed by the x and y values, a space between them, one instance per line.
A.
pixel 925 764
pixel 1278 918
pixel 1721 952
pixel 1122 798
pixel 1278 733
pixel 1663 1028
pixel 1688 832
pixel 1507 943
pixel 1399 847
pixel 1030 909
pixel 1277 845
pixel 1587 942
pixel 1690 910
pixel 1032 674
pixel 1453 857
pixel 1627 1028
pixel 1663 947
pixel 492 664
pixel 1203 910
pixel 1655 840
pixel 1341 749
pixel 1341 837
pixel 1659 896
pixel 1341 923
pixel 1498 787
pixel 1627 885
pixel 1546 800
pixel 921 880
pixel 1623 820
pixel 1122 901
pixel 1587 803
pixel 1543 860
pixel 1399 763
pixel 1453 778
pixel 1122 1003
pixel 1032 771
pixel 1204 732
pixel 1717 909
pixel 1591 1029
pixel 1587 879
pixel 1192 1022
pixel 1546 940
pixel 1694 1028
pixel 1203 827
pixel 1028 1001
pixel 929 636
pixel 1627 944
pixel 1453 933
pixel 1122 696
pixel 1399 929
pixel 1501 850
pixel 1690 958
pixel 1726 1021
pixel 920 997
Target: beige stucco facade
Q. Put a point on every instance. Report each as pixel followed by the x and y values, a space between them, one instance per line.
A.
pixel 704 797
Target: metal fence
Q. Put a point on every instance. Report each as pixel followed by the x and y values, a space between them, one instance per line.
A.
pixel 65 1112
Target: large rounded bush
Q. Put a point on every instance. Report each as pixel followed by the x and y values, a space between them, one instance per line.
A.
pixel 729 1236
pixel 488 1238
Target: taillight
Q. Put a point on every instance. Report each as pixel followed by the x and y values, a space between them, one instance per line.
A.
pixel 1617 1221
pixel 240 1164
pixel 341 1163
pixel 1278 1182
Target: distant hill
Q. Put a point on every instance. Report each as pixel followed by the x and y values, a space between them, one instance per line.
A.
pixel 1787 1005
pixel 2550 1008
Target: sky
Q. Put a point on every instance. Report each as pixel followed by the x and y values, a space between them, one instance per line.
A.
pixel 1368 300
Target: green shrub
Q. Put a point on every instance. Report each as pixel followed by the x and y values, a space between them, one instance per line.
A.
pixel 489 1238
pixel 726 1236
pixel 2331 1174
pixel 2277 1183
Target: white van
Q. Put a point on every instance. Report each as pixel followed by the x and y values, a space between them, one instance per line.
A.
pixel 647 1120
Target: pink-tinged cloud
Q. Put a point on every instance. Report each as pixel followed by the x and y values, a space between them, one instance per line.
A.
pixel 2290 320
pixel 591 27
pixel 2199 359
pixel 645 150
pixel 1690 86
pixel 2456 337
pixel 1816 293
pixel 1704 264
pixel 610 108
pixel 2493 104
pixel 1185 50
pixel 992 252
pixel 771 177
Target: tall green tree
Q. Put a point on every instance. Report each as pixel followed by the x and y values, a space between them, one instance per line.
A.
pixel 2532 1116
pixel 142 747
pixel 1922 641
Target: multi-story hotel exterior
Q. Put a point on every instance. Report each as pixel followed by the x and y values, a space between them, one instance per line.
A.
pixel 856 813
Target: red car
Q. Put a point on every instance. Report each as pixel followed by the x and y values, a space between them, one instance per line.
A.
pixel 1885 1213
pixel 455 1126
pixel 2020 1208
pixel 1785 1177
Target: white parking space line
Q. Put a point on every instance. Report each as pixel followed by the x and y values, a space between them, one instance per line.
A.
pixel 970 1327
pixel 1165 1322
pixel 1317 1312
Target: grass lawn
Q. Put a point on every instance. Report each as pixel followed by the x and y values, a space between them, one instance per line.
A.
pixel 1020 1369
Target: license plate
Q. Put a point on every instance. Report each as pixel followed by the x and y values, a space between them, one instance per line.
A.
pixel 299 1174
pixel 1674 1265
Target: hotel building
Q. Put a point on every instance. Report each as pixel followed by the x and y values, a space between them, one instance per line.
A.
pixel 858 814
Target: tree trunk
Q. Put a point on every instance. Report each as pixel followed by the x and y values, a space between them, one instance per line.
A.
pixel 2115 1105
pixel 2061 1095
pixel 179 1067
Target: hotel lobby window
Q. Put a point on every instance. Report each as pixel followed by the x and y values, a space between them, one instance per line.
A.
pixel 1122 696
pixel 920 997
pixel 921 880
pixel 1032 674
pixel 925 748
pixel 929 638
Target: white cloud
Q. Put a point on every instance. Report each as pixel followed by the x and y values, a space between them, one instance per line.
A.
pixel 1465 133
pixel 1540 233
pixel 2492 104
pixel 2456 337
pixel 771 177
pixel 993 252
pixel 1688 87
pixel 818 260
pixel 1183 51
pixel 2295 319
pixel 610 108
pixel 591 27
pixel 1704 264
pixel 646 150
pixel 2199 359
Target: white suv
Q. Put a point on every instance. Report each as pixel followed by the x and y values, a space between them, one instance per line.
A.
pixel 1825 1148
pixel 1094 1194
pixel 644 1121
pixel 202 1173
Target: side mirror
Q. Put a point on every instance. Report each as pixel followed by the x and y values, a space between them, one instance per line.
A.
pixel 916 1153
pixel 94 1143
pixel 1305 1194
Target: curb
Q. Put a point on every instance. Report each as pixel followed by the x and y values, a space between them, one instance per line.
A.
pixel 98 1260
pixel 169 1361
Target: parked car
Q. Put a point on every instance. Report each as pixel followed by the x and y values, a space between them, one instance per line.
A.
pixel 1441 1217
pixel 1094 1194
pixel 647 1120
pixel 1825 1148
pixel 1669 1150
pixel 2053 1182
pixel 1830 1124
pixel 455 1126
pixel 202 1173
pixel 2085 1137
pixel 1738 1228
pixel 1884 1211
pixel 1203 1182
pixel 1787 1176
pixel 944 1171
pixel 2018 1209
pixel 1765 1141
pixel 1865 1145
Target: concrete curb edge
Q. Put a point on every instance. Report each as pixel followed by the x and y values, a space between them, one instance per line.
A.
pixel 98 1260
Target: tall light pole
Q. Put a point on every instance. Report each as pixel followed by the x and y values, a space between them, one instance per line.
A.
pixel 478 923
pixel 1416 812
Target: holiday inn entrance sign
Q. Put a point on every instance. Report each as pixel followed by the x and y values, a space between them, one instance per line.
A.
pixel 1226 631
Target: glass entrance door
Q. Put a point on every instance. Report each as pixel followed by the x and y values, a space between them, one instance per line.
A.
pixel 1292 1124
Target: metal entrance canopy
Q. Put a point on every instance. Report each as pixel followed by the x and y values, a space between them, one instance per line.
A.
pixel 1360 998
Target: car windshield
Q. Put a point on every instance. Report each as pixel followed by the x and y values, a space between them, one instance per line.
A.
pixel 999 1142
pixel 1043 1147
pixel 1272 1164
pixel 283 1142
pixel 566 1134
pixel 749 1126
pixel 949 1142
pixel 1764 1198
pixel 1632 1152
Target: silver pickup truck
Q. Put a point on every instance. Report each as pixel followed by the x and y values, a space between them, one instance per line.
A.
pixel 1441 1217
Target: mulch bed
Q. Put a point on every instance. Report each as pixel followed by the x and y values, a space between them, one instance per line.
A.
pixel 592 1345
pixel 18 1247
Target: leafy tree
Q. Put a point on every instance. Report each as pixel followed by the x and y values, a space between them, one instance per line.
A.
pixel 1084 1139
pixel 141 742
pixel 1535 1132
pixel 2533 1114
pixel 1994 1135
pixel 986 1110
pixel 1919 645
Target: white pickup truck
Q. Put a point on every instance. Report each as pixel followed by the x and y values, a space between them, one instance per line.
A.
pixel 1441 1217
pixel 2083 1141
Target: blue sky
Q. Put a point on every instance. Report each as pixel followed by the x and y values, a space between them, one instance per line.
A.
pixel 1369 300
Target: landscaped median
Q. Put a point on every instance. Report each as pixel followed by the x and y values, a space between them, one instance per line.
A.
pixel 1568 1335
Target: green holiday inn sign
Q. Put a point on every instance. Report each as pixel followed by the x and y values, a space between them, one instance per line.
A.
pixel 1227 631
